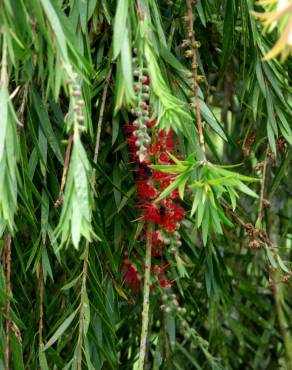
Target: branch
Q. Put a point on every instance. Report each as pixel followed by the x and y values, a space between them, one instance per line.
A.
pixel 81 315
pixel 86 250
pixel 99 124
pixel 146 290
pixel 263 180
pixel 59 201
pixel 195 76
pixel 41 297
pixel 8 292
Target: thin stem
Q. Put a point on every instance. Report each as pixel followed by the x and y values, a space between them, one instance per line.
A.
pixel 195 75
pixel 8 293
pixel 283 324
pixel 146 290
pixel 99 124
pixel 263 180
pixel 81 315
pixel 4 75
pixel 41 297
pixel 59 201
pixel 86 250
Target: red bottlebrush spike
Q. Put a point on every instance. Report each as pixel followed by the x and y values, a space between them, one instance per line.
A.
pixel 131 277
pixel 145 190
pixel 149 146
pixel 151 213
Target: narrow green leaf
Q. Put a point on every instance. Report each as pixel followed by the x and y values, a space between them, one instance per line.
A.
pixel 120 26
pixel 62 328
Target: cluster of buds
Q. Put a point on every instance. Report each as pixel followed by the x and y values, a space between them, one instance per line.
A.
pixel 170 304
pixel 141 111
pixel 76 98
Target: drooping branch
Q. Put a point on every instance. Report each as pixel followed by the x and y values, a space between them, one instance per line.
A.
pixel 59 201
pixel 41 303
pixel 193 44
pixel 99 124
pixel 263 180
pixel 146 290
pixel 8 293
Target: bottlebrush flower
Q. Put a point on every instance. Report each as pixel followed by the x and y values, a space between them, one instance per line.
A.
pixel 131 277
pixel 151 213
pixel 145 190
pixel 165 283
pixel 149 146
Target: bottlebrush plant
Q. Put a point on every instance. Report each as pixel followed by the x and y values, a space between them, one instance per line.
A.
pixel 145 202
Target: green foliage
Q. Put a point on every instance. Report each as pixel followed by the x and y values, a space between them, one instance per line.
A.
pixel 70 307
pixel 208 184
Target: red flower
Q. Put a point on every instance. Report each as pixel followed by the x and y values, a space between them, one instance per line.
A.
pixel 163 157
pixel 165 283
pixel 151 213
pixel 131 277
pixel 170 226
pixel 145 190
pixel 178 214
pixel 154 149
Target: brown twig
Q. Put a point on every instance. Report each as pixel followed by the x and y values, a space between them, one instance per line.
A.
pixel 8 293
pixel 23 104
pixel 195 76
pixel 59 201
pixel 263 180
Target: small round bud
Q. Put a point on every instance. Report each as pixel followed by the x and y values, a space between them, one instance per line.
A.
pixel 188 53
pixel 77 93
pixel 144 79
pixel 164 297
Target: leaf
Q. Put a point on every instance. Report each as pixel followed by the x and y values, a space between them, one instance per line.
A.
pixel 211 120
pixel 56 28
pixel 196 201
pixel 120 292
pixel 245 189
pixel 46 126
pixel 3 118
pixel 126 59
pixel 170 188
pixel 282 265
pixel 228 33
pixel 170 325
pixel 71 283
pixel 86 312
pixel 42 359
pixel 17 353
pixel 62 328
pixel 271 258
pixel 119 29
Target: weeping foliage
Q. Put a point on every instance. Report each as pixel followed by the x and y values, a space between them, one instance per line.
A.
pixel 69 221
